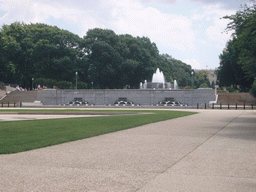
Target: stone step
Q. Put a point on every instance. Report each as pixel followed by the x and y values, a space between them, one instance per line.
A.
pixel 20 96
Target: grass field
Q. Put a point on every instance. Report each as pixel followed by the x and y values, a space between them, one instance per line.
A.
pixel 18 136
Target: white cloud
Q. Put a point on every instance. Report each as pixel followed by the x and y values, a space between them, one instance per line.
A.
pixel 188 29
pixel 212 24
pixel 215 32
pixel 193 62
pixel 34 11
pixel 171 30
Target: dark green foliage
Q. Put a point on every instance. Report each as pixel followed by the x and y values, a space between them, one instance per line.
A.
pixel 51 83
pixel 238 60
pixel 177 70
pixel 108 60
pixel 117 61
pixel 39 51
pixel 81 85
pixel 64 85
pixel 202 79
pixel 253 89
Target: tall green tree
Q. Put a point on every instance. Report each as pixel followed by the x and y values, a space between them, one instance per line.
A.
pixel 176 70
pixel 39 50
pixel 108 60
pixel 238 60
pixel 117 61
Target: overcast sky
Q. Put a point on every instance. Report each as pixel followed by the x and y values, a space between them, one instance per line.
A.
pixel 188 30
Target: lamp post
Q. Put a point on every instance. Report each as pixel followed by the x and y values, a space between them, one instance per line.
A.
pixel 76 80
pixel 192 79
pixel 32 83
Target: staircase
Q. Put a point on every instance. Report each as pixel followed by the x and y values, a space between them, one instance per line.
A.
pixel 236 98
pixel 20 96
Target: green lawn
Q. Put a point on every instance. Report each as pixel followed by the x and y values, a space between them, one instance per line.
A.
pixel 18 136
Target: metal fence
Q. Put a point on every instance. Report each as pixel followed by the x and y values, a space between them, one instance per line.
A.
pixel 226 106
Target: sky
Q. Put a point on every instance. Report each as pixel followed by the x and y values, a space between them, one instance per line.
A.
pixel 188 30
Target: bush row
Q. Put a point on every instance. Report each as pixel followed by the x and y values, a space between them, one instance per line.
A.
pixel 51 83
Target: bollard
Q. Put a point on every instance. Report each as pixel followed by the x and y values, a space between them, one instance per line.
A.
pixel 20 104
pixel 8 104
pixel 2 104
pixel 236 105
pixel 205 105
pixel 244 106
pixel 221 106
pixel 252 106
pixel 213 106
pixel 197 106
pixel 228 105
pixel 14 104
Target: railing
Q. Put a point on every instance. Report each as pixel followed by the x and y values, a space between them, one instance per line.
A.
pixel 198 106
pixel 11 104
pixel 226 106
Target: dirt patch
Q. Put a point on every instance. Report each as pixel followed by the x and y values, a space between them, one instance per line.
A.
pixel 233 98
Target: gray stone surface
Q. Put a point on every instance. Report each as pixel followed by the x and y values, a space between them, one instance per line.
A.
pixel 138 96
pixel 20 117
pixel 214 150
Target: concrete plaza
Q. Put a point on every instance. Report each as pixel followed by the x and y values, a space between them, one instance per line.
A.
pixel 214 150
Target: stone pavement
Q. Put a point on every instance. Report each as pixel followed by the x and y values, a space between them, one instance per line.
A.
pixel 20 117
pixel 214 150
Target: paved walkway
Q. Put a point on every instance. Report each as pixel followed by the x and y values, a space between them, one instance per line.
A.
pixel 214 150
pixel 19 117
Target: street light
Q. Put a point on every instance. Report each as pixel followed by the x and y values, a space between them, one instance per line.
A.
pixel 32 83
pixel 76 79
pixel 192 80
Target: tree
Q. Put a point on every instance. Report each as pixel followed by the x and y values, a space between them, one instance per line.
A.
pixel 203 80
pixel 238 60
pixel 108 60
pixel 118 60
pixel 253 89
pixel 39 50
pixel 176 69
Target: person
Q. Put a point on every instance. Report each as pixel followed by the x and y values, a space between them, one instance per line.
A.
pixel 18 88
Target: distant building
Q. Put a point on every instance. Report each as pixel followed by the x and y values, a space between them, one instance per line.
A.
pixel 212 76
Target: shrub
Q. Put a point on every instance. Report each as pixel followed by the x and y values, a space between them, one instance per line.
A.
pixel 45 82
pixel 187 87
pixel 81 85
pixel 64 85
pixel 204 85
pixel 253 89
pixel 51 83
pixel 232 89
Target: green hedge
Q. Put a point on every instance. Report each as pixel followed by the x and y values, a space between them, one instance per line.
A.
pixel 253 89
pixel 51 83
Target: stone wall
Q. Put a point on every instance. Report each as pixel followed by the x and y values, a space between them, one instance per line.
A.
pixel 2 93
pixel 138 96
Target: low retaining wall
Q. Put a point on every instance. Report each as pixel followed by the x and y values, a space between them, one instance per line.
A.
pixel 138 96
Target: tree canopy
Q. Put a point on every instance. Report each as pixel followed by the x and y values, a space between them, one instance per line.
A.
pixel 102 58
pixel 238 60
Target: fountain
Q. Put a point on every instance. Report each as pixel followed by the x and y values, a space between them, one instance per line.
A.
pixel 158 77
pixel 145 84
pixel 158 82
pixel 175 86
